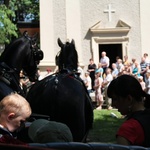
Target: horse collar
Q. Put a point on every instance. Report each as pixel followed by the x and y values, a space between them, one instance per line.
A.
pixel 9 77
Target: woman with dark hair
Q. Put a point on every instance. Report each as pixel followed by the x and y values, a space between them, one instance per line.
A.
pixel 91 70
pixel 134 103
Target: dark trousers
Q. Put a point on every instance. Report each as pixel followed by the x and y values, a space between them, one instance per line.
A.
pixel 92 75
pixel 104 70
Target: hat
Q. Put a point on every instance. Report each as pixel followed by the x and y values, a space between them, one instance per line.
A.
pixel 44 131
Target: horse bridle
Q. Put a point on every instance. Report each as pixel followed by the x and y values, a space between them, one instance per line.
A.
pixel 37 53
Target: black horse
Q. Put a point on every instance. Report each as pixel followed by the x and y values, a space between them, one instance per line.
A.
pixel 63 95
pixel 20 54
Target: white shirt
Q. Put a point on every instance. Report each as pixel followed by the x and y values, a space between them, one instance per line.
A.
pixel 120 67
pixel 115 72
pixel 147 84
pixel 108 78
pixel 88 81
pixel 105 60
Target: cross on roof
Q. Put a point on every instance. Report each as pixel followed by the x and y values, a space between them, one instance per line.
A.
pixel 109 11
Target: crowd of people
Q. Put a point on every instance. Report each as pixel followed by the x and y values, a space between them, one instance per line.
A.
pixel 124 85
pixel 107 72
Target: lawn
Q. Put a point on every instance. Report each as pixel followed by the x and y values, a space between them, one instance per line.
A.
pixel 105 126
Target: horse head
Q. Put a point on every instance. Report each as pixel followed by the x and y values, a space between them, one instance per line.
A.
pixel 23 53
pixel 33 58
pixel 67 57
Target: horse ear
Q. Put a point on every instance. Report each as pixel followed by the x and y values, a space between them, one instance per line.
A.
pixel 73 42
pixel 60 42
pixel 25 33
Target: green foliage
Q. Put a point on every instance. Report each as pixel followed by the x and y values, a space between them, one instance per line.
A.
pixel 9 13
pixel 33 6
pixel 105 126
pixel 27 7
pixel 7 28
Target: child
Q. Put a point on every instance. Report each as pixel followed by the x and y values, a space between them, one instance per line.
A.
pixel 100 70
pixel 87 82
pixel 14 110
pixel 97 87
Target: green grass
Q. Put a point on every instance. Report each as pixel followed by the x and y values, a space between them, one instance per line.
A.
pixel 105 126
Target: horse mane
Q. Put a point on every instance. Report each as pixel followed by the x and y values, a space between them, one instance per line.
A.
pixel 25 39
pixel 68 57
pixel 15 45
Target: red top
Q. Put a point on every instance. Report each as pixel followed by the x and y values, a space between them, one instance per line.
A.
pixel 132 131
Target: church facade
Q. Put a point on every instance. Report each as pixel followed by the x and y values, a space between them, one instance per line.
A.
pixel 119 27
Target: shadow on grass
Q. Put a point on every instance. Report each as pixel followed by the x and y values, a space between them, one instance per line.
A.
pixel 105 126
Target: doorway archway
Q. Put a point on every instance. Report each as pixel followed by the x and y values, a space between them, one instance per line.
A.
pixel 112 51
pixel 114 40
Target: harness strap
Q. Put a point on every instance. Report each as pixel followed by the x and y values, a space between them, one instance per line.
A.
pixel 9 77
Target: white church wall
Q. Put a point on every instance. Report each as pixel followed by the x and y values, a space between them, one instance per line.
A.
pixel 132 13
pixel 47 32
pixel 52 27
pixel 72 19
pixel 73 25
pixel 145 26
pixel 59 14
pixel 126 10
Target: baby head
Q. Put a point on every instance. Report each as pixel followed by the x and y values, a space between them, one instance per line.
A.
pixel 14 110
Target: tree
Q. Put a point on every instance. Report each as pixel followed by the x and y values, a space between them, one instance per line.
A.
pixel 26 10
pixel 12 11
pixel 7 28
